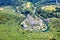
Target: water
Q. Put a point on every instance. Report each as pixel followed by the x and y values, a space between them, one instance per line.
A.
pixel 47 27
pixel 13 2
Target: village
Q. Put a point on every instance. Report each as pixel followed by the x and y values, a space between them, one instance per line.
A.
pixel 34 23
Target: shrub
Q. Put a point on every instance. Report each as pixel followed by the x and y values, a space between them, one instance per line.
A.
pixel 3 18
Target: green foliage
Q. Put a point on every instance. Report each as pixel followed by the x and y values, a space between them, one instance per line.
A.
pixel 55 24
pixel 11 29
pixel 3 18
pixel 28 6
pixel 10 16
pixel 49 11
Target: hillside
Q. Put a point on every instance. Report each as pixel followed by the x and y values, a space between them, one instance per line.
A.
pixel 15 12
pixel 10 28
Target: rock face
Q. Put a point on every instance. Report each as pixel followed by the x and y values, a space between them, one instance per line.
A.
pixel 31 23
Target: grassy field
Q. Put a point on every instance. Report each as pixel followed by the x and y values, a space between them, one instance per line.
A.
pixel 11 30
pixel 16 33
